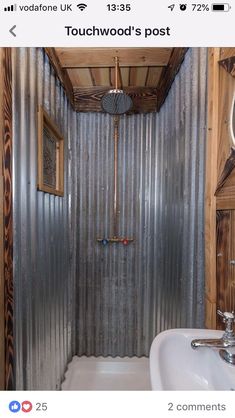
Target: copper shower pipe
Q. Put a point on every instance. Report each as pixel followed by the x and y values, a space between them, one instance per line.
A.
pixel 116 137
pixel 118 77
pixel 116 72
pixel 115 197
pixel 115 237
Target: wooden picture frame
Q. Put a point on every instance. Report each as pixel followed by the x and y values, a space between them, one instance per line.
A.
pixel 50 155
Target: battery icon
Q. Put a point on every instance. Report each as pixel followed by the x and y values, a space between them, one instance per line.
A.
pixel 220 7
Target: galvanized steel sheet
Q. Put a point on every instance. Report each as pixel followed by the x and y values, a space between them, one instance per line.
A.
pixel 128 294
pixel 43 232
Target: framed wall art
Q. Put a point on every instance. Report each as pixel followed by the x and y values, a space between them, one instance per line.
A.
pixel 50 155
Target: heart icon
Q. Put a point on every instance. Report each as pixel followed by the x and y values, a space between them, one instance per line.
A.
pixel 26 406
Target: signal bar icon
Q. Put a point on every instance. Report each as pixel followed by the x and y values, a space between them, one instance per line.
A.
pixel 11 8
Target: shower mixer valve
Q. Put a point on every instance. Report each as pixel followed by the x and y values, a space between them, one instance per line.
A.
pixel 106 241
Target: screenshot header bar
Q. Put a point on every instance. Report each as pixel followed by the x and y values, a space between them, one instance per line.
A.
pixel 116 23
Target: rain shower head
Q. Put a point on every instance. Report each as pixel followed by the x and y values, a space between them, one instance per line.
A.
pixel 115 101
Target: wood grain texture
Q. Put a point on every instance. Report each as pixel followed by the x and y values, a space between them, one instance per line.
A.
pixel 45 121
pixel 138 76
pixel 84 68
pixel 225 197
pixel 8 225
pixel 80 77
pixel 130 76
pixel 104 57
pixel 100 77
pixel 2 309
pixel 169 73
pixel 210 187
pixel 227 53
pixel 153 77
pixel 89 99
pixel 229 65
pixel 226 98
pixel 225 272
pixel 228 168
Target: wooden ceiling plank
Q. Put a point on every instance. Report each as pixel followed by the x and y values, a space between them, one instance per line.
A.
pixel 101 76
pixel 80 77
pixel 154 75
pixel 92 77
pixel 104 57
pixel 132 76
pixel 125 76
pixel 138 76
pixel 112 74
pixel 169 73
pixel 61 73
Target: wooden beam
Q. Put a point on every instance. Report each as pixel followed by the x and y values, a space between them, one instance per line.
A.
pixel 225 203
pixel 210 187
pixel 61 73
pixel 89 99
pixel 104 57
pixel 225 269
pixel 169 73
pixel 7 211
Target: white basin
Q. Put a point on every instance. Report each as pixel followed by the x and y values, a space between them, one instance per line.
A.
pixel 174 365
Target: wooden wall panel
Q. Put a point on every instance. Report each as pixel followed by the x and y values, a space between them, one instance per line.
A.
pixel 2 310
pixel 211 183
pixel 226 94
pixel 220 189
pixel 225 273
pixel 7 213
pixel 225 199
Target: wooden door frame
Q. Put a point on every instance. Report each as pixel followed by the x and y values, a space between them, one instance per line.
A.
pixel 216 171
pixel 210 186
pixel 6 225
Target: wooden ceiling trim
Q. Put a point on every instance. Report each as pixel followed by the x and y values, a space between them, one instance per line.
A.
pixel 89 99
pixel 104 57
pixel 169 73
pixel 61 73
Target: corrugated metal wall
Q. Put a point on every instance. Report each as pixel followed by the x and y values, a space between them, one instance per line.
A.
pixel 126 295
pixel 43 232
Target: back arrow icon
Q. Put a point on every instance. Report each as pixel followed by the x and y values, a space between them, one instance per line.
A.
pixel 12 30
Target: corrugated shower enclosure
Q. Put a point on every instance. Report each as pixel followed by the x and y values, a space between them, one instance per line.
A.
pixel 126 295
pixel 43 232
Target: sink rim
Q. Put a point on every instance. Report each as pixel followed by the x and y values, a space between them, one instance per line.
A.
pixel 157 380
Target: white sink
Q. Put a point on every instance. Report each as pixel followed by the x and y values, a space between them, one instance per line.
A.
pixel 174 365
